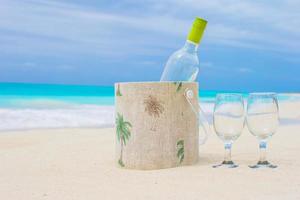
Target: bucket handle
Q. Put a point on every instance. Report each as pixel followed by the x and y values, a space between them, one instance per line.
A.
pixel 189 95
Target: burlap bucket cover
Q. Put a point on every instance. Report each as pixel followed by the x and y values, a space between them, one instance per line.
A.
pixel 155 126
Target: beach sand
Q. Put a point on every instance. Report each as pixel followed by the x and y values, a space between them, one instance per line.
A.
pixel 71 164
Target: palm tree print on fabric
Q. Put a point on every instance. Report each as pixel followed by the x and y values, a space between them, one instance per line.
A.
pixel 178 86
pixel 154 108
pixel 118 93
pixel 180 150
pixel 123 134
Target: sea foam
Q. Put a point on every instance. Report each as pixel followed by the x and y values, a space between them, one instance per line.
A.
pixel 77 116
pixel 37 116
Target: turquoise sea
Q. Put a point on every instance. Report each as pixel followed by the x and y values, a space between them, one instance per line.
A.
pixel 25 94
pixel 29 106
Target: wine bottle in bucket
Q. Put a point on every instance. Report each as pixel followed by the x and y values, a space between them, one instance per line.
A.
pixel 183 64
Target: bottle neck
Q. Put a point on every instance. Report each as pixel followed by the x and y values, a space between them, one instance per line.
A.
pixel 190 46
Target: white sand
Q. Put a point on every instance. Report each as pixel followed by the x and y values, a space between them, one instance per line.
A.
pixel 79 164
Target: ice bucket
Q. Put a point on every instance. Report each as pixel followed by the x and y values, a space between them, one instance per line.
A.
pixel 156 125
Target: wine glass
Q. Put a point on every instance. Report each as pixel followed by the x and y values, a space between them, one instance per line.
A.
pixel 228 120
pixel 262 121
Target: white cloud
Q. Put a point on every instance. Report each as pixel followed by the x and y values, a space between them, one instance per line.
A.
pixel 210 66
pixel 207 64
pixel 245 70
pixel 29 64
pixel 46 27
pixel 248 23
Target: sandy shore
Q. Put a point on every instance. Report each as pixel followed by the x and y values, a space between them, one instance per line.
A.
pixel 63 164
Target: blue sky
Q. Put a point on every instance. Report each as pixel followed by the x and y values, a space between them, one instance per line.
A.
pixel 248 45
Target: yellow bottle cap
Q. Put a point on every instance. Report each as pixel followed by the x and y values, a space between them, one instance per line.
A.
pixel 197 30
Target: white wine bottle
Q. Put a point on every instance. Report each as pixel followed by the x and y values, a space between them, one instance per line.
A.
pixel 183 64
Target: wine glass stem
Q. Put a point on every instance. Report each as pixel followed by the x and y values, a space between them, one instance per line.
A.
pixel 227 156
pixel 263 151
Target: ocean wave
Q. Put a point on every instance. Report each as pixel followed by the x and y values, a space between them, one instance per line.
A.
pixel 62 116
pixel 71 117
pixel 34 113
pixel 49 113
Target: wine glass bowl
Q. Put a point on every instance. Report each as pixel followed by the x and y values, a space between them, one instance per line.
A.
pixel 262 121
pixel 228 121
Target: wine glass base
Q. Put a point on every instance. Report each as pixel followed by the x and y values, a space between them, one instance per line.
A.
pixel 228 164
pixel 263 164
